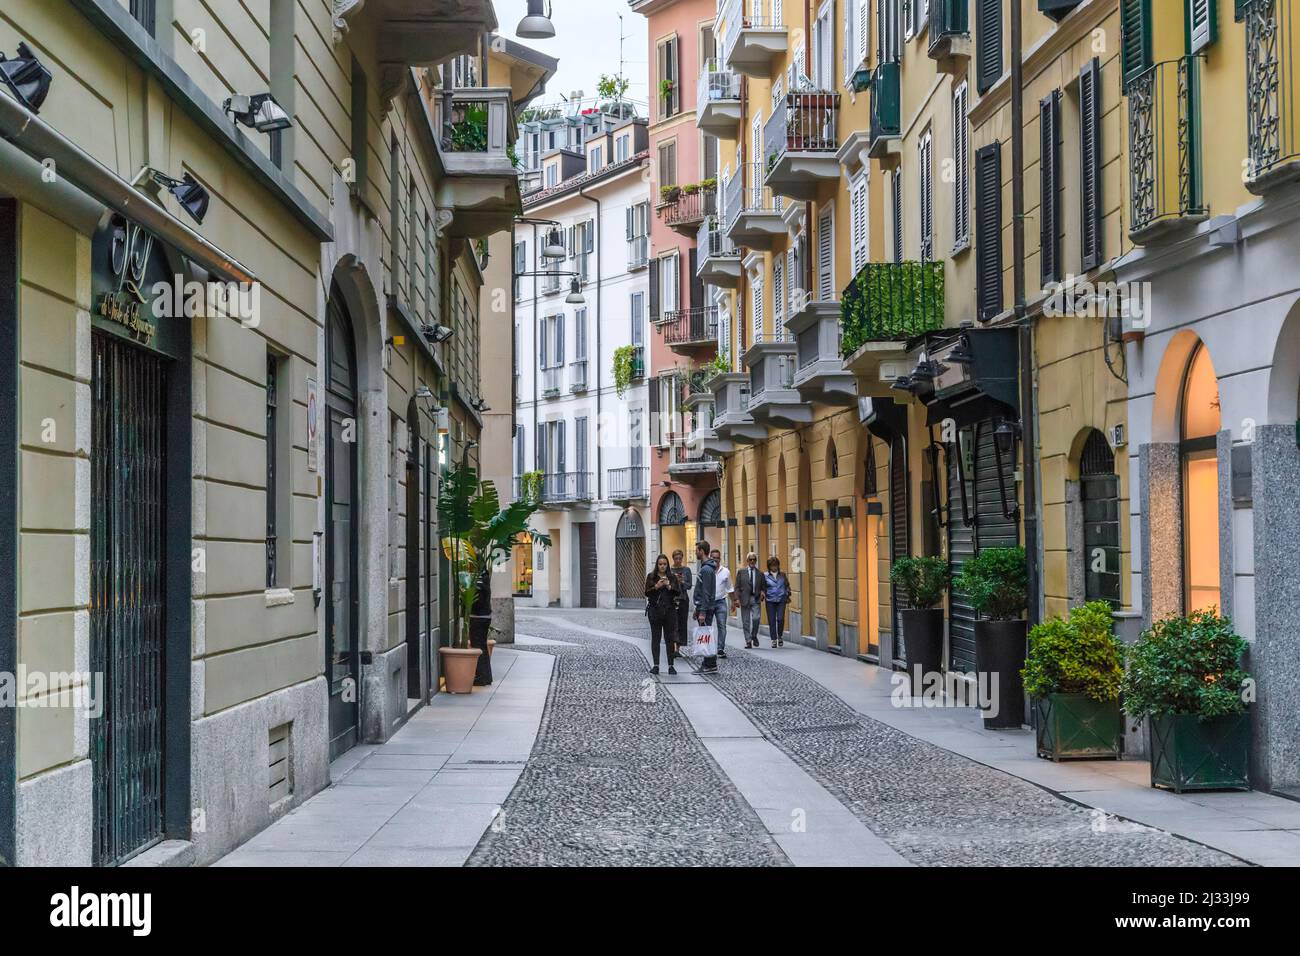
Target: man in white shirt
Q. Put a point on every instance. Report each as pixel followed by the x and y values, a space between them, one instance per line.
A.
pixel 722 601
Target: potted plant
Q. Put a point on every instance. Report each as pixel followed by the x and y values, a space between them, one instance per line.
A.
pixel 669 194
pixel 1073 674
pixel 478 534
pixel 921 583
pixel 995 582
pixel 1185 680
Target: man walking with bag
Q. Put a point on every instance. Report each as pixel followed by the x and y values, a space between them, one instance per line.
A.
pixel 750 591
pixel 705 595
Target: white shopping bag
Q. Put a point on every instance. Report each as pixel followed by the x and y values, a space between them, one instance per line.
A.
pixel 704 640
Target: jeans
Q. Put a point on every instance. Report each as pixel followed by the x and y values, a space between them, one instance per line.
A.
pixel 664 630
pixel 750 618
pixel 720 609
pixel 776 619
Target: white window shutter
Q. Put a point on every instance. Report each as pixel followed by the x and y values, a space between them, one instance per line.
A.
pixel 863 36
pixel 1200 19
pixel 757 289
pixel 826 255
pixel 849 46
pixel 778 296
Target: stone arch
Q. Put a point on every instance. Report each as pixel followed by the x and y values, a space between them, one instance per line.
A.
pixel 1166 411
pixel 1284 377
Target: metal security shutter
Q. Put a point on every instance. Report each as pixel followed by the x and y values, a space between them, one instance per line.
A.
pixel 587 564
pixel 1090 162
pixel 988 43
pixel 900 545
pixel 988 230
pixel 961 546
pixel 1099 492
pixel 1049 216
pixel 629 561
pixel 1135 37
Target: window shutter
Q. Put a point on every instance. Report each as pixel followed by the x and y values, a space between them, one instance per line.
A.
pixel 961 151
pixel 1090 162
pixel 654 290
pixel 826 255
pixel 580 320
pixel 589 236
pixel 569 240
pixel 542 463
pixel 697 284
pixel 756 297
pixel 988 230
pixel 909 25
pixel 850 23
pixel 863 35
pixel 1135 37
pixel 1239 10
pixel 793 282
pixel 778 296
pixel 927 199
pixel 541 352
pixel 630 233
pixel 1049 213
pixel 898 216
pixel 559 447
pixel 1202 26
pixel 988 44
pixel 656 420
pixel 559 339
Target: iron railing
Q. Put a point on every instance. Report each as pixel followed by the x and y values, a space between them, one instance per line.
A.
pixel 690 326
pixel 563 486
pixel 629 483
pixel 578 375
pixel 638 362
pixel 949 19
pixel 686 452
pixel 689 209
pixel 716 83
pixel 746 193
pixel 638 252
pixel 801 122
pixel 551 383
pixel 712 242
pixel 890 302
pixel 1272 91
pixel 1165 143
pixel 886 100
pixel 735 16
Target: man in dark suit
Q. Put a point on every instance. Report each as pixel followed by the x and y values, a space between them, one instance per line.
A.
pixel 750 588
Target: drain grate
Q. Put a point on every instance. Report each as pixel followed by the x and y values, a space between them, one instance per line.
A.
pixel 819 729
pixel 511 763
pixel 774 703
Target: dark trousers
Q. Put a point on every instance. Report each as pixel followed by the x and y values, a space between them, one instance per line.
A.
pixel 776 620
pixel 664 630
pixel 683 622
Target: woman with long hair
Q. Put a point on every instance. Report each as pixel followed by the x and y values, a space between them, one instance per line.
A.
pixel 777 595
pixel 662 588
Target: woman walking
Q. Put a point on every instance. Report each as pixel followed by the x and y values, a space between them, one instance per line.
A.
pixel 662 588
pixel 777 595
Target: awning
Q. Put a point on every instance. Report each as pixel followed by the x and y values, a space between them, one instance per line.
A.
pixel 42 142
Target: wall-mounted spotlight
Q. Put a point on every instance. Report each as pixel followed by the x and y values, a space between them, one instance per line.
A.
pixel 260 112
pixel 398 340
pixel 536 25
pixel 575 296
pixel 192 197
pixel 961 353
pixel 904 383
pixel 26 77
pixel 437 334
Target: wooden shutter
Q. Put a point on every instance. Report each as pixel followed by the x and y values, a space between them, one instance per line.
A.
pixel 697 284
pixel 961 153
pixel 559 447
pixel 542 350
pixel 927 198
pixel 559 339
pixel 630 211
pixel 988 43
pixel 1090 163
pixel 542 464
pixel 656 420
pixel 988 230
pixel 863 36
pixel 898 216
pixel 1049 210
pixel 654 290
pixel 1202 26
pixel 826 255
pixel 1135 37
pixel 792 280
pixel 778 296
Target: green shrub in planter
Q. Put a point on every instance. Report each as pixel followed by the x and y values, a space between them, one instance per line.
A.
pixel 921 583
pixel 921 580
pixel 1185 680
pixel 995 582
pixel 1073 671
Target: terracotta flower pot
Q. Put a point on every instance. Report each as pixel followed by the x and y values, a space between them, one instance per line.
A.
pixel 458 667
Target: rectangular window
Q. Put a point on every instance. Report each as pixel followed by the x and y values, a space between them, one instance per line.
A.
pixel 670 279
pixel 597 159
pixel 360 115
pixel 620 149
pixel 145 14
pixel 668 80
pixel 961 157
pixel 1049 213
pixel 988 230
pixel 667 164
pixel 988 43
pixel 521 266
pixel 638 318
pixel 272 455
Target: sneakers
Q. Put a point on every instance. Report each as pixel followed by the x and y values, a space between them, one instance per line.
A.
pixel 748 645
pixel 655 669
pixel 722 655
pixel 774 645
pixel 671 669
pixel 780 643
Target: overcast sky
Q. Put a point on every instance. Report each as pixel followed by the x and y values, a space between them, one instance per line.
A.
pixel 586 43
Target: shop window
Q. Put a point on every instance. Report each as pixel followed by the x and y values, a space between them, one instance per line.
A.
pixel 1200 476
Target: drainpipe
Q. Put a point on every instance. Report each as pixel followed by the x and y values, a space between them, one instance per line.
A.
pixel 596 241
pixel 536 348
pixel 1025 326
pixel 809 278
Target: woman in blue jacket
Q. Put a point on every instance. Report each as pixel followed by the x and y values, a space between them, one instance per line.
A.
pixel 777 597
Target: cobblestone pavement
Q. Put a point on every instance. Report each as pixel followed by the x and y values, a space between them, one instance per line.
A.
pixel 934 807
pixel 615 780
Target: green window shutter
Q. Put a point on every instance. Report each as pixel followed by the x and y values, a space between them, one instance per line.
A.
pixel 988 230
pixel 988 43
pixel 1049 124
pixel 1201 23
pixel 1135 29
pixel 1090 162
pixel 1239 9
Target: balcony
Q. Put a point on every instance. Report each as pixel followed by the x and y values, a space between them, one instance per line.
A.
pixel 476 127
pixel 567 487
pixel 750 213
pixel 752 37
pixel 949 28
pixel 1164 123
pixel 638 253
pixel 686 331
pixel 819 366
pixel 689 457
pixel 717 101
pixel 1272 93
pixel 414 34
pixel 638 363
pixel 629 484
pixel 552 383
pixel 685 213
pixel 772 397
pixel 719 260
pixel 886 100
pixel 800 143
pixel 578 376
pixel 885 305
pixel 732 422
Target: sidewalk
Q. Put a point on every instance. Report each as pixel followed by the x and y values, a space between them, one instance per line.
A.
pixel 425 797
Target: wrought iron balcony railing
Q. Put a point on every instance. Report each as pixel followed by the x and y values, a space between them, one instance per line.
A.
pixel 629 483
pixel 890 302
pixel 690 327
pixel 1272 90
pixel 1164 121
pixel 689 209
pixel 716 83
pixel 801 122
pixel 551 383
pixel 886 101
pixel 558 487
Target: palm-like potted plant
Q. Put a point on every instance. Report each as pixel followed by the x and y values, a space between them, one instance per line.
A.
pixel 478 533
pixel 1073 673
pixel 920 584
pixel 995 583
pixel 1185 680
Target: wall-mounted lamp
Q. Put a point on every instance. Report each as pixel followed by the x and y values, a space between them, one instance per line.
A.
pixel 398 340
pixel 260 112
pixel 26 77
pixel 1006 434
pixel 904 383
pixel 961 353
pixel 192 197
pixel 553 248
pixel 536 24
pixel 575 296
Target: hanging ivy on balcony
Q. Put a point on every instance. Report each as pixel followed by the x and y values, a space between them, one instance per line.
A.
pixel 530 486
pixel 625 363
pixel 891 301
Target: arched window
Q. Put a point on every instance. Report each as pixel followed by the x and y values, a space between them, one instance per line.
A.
pixel 832 460
pixel 671 510
pixel 711 509
pixel 1099 494
pixel 869 470
pixel 1199 421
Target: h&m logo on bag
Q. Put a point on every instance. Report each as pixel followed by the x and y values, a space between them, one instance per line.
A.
pixel 75 909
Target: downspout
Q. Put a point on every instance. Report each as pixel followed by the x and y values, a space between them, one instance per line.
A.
pixel 808 271
pixel 1029 441
pixel 541 465
pixel 596 241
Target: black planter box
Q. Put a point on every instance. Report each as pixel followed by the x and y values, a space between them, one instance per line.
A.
pixel 922 644
pixel 1000 650
pixel 1188 753
pixel 1076 727
pixel 479 627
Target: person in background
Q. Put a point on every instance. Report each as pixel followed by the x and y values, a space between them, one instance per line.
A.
pixel 685 581
pixel 705 594
pixel 662 588
pixel 725 601
pixel 750 585
pixel 776 591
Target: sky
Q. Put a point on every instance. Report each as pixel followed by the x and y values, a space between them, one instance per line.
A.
pixel 586 44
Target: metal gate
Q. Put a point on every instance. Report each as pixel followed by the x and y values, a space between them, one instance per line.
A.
pixel 629 560
pixel 129 509
pixel 1099 492
pixel 899 540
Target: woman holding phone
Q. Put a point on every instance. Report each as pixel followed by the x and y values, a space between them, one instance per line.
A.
pixel 662 589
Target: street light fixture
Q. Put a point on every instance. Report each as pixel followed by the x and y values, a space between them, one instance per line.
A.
pixel 537 24
pixel 575 296
pixel 554 246
pixel 192 197
pixel 26 77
